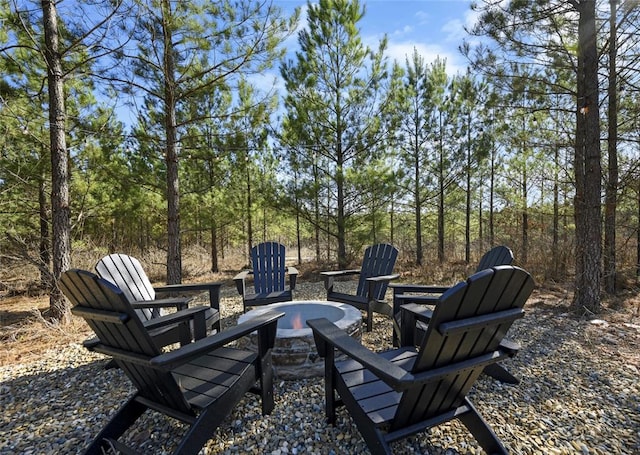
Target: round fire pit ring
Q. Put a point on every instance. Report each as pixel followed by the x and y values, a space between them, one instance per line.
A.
pixel 294 354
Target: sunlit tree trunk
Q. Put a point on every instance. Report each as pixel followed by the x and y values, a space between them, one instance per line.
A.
pixel 587 165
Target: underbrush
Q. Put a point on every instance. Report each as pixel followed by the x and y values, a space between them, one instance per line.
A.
pixel 25 330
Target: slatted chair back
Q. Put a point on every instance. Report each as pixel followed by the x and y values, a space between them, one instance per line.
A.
pixel 108 312
pixel 378 260
pixel 469 321
pixel 499 255
pixel 127 273
pixel 268 260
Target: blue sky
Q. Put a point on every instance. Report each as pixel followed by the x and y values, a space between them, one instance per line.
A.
pixel 433 27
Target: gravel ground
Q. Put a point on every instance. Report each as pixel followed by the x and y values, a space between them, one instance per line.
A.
pixel 579 394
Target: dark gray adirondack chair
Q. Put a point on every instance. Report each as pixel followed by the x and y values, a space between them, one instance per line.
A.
pixel 127 273
pixel 269 274
pixel 198 384
pixel 405 391
pixel 428 294
pixel 374 277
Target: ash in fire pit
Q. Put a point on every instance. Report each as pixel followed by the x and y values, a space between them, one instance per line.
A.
pixel 294 354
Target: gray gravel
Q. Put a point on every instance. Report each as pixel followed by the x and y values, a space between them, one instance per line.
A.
pixel 579 394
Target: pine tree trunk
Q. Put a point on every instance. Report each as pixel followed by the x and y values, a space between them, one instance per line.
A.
pixel 174 254
pixel 215 267
pixel 611 197
pixel 588 166
pixel 61 253
pixel 45 242
pixel 441 198
pixel 418 207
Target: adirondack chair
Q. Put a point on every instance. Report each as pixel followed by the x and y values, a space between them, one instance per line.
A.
pixel 198 384
pixel 127 273
pixel 429 294
pixel 405 391
pixel 374 277
pixel 269 273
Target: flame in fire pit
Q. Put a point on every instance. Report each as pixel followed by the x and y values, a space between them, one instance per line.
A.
pixel 296 321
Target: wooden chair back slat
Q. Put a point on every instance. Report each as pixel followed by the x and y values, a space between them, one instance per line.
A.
pixel 269 267
pixel 378 260
pixel 127 273
pixel 499 255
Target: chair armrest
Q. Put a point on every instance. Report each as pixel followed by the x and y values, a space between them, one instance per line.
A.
pixel 374 281
pixel 194 314
pixel 334 273
pixel 418 288
pixel 265 322
pixel 213 288
pixel 383 278
pixel 408 293
pixel 330 275
pixel 418 312
pixel 328 336
pixel 293 276
pixel 373 284
pixel 240 279
pixel 171 302
pixel 409 315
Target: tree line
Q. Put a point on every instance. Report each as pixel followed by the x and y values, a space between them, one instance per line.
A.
pixel 356 149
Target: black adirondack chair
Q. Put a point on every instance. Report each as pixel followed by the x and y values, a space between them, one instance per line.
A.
pixel 429 294
pixel 405 391
pixel 198 384
pixel 269 273
pixel 127 273
pixel 374 277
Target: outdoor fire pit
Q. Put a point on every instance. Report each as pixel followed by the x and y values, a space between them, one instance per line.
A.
pixel 294 353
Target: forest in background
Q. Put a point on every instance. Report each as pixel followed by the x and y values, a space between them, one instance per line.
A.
pixel 357 150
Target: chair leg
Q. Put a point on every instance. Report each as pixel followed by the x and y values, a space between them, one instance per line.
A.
pixel 500 373
pixel 481 430
pixel 119 423
pixel 373 437
pixel 111 364
pixel 211 417
pixel 329 386
pixel 266 384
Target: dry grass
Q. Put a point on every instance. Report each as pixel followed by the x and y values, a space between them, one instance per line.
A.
pixel 25 332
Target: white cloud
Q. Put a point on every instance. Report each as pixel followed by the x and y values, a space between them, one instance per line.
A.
pixel 455 30
pixel 423 18
pixel 401 50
